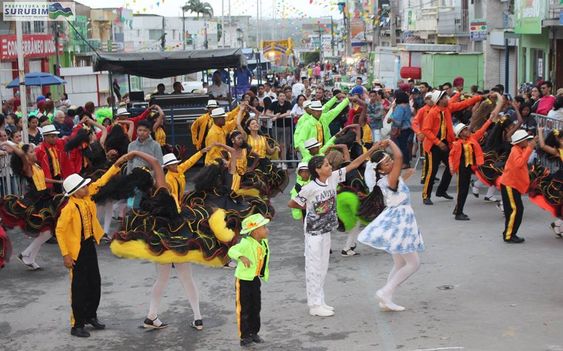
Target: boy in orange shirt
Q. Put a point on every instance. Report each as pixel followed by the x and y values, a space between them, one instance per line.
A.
pixel 514 182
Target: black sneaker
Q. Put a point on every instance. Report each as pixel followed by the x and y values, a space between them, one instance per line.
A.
pixel 52 240
pixel 246 342
pixel 257 339
pixel 197 324
pixel 461 217
pixel 427 202
pixel 96 323
pixel 154 324
pixel 353 248
pixel 515 240
pixel 79 332
pixel 444 195
pixel 105 239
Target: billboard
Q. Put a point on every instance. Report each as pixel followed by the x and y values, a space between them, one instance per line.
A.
pixel 528 16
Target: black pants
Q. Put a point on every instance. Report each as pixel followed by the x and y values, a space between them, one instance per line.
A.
pixel 85 284
pixel 433 160
pixel 403 141
pixel 513 211
pixel 424 166
pixel 463 182
pixel 248 304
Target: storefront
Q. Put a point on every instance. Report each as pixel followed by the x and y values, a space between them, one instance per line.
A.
pixel 38 50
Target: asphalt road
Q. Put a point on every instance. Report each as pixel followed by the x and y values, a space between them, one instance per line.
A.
pixel 473 292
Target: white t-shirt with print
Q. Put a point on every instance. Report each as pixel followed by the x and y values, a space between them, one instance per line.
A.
pixel 320 201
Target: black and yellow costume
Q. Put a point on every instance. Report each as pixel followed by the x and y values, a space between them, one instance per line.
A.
pixel 36 211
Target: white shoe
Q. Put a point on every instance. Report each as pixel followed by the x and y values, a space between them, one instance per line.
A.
pixel 349 252
pixel 327 307
pixel 474 189
pixel 320 311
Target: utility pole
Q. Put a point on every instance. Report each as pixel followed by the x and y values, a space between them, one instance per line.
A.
pixel 230 23
pixel 183 28
pixel 332 36
pixel 273 17
pixel 320 41
pixel 258 24
pixel 223 22
pixel 21 73
pixel 392 23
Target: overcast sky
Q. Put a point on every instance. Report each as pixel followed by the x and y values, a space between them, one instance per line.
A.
pixel 284 8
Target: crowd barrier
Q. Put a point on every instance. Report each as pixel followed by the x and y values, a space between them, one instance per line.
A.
pixel 283 134
pixel 9 183
pixel 549 124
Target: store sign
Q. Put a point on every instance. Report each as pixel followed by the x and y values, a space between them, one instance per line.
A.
pixel 38 11
pixel 34 46
pixel 478 30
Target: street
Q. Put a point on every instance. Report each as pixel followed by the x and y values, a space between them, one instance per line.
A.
pixel 473 292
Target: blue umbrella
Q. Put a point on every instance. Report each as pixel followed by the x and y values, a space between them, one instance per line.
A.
pixel 37 79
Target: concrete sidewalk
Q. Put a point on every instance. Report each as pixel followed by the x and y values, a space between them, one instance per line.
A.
pixel 473 292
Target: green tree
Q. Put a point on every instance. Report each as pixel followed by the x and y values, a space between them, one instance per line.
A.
pixel 199 8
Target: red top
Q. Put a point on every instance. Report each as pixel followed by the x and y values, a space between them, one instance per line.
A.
pixel 515 173
pixel 473 141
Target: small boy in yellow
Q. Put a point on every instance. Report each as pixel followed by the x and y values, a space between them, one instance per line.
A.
pixel 254 254
pixel 77 228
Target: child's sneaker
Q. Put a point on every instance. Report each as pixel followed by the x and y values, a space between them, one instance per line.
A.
pixel 154 323
pixel 320 311
pixel 257 339
pixel 246 342
pixel 197 324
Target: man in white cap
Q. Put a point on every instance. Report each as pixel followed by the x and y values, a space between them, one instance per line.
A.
pixel 200 127
pixel 438 131
pixel 218 134
pixel 52 156
pixel 314 123
pixel 515 181
pixel 78 229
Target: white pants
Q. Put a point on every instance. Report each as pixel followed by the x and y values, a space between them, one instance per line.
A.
pixel 317 253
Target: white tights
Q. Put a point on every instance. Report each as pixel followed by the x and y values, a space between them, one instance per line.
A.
pixel 105 212
pixel 30 253
pixel 404 265
pixel 184 271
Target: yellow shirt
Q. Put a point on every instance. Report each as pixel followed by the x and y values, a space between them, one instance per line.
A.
pixel 38 177
pixel 203 124
pixel 366 137
pixel 258 145
pixel 71 222
pixel 160 136
pixel 53 156
pixel 242 165
pixel 219 135
pixel 177 180
pixel 468 154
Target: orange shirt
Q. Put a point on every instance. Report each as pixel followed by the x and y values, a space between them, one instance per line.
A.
pixel 515 174
pixel 471 147
pixel 417 121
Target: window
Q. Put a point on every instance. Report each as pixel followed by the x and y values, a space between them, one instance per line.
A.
pixel 26 27
pixel 155 34
pixel 38 27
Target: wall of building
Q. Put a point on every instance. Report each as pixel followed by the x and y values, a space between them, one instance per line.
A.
pixel 533 56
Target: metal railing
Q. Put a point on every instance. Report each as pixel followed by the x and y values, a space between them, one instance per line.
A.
pixel 283 134
pixel 10 184
pixel 549 124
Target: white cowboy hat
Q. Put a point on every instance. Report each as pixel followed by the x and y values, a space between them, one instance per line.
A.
pixel 169 159
pixel 458 128
pixel 49 129
pixel 122 111
pixel 302 166
pixel 218 112
pixel 307 103
pixel 311 143
pixel 73 183
pixel 519 136
pixel 212 104
pixel 316 106
pixel 437 95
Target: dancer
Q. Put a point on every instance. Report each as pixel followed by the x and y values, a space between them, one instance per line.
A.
pixel 514 182
pixel 395 230
pixel 303 178
pixel 319 198
pixel 254 254
pixel 465 155
pixel 35 212
pixel 77 229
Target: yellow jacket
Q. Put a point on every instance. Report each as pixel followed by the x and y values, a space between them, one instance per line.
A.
pixel 69 224
pixel 177 180
pixel 219 135
pixel 203 124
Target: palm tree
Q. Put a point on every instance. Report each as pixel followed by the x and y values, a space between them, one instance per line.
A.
pixel 198 7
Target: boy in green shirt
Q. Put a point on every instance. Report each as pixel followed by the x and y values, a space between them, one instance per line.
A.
pixel 254 254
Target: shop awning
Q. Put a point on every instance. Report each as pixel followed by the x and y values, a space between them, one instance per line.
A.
pixel 164 64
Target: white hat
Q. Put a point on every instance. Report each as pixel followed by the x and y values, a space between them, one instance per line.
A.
pixel 458 128
pixel 251 115
pixel 428 95
pixel 73 183
pixel 311 143
pixel 307 103
pixel 316 106
pixel 212 104
pixel 437 95
pixel 218 112
pixel 122 111
pixel 302 165
pixel 49 129
pixel 519 136
pixel 169 159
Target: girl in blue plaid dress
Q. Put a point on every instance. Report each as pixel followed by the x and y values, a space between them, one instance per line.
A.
pixel 395 230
